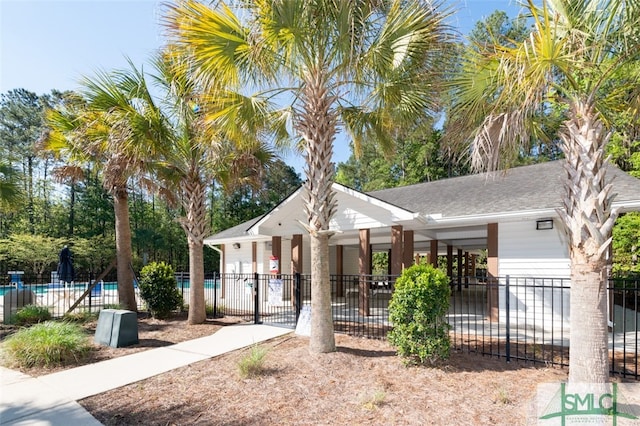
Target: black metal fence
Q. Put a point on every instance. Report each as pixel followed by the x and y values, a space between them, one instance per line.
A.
pixel 516 318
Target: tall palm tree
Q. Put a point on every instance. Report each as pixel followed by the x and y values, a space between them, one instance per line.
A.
pixel 572 61
pixel 358 65
pixel 115 124
pixel 197 153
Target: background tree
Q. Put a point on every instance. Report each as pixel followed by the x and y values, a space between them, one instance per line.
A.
pixel 109 126
pixel 573 51
pixel 361 64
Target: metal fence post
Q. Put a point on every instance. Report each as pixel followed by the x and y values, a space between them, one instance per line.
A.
pixel 215 295
pixel 507 305
pixel 297 293
pixel 256 295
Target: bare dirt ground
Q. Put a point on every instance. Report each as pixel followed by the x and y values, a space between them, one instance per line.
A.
pixel 363 382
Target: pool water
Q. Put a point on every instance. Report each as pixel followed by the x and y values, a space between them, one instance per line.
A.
pixel 106 286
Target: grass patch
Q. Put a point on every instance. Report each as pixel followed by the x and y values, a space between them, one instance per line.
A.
pixel 46 344
pixel 252 364
pixel 373 400
pixel 30 314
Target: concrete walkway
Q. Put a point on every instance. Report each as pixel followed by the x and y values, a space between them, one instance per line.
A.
pixel 51 399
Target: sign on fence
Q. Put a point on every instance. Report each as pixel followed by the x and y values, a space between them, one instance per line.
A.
pixel 275 292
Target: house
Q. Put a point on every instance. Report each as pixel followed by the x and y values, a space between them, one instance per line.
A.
pixel 511 214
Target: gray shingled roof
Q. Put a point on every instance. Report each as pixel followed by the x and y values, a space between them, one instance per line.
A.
pixel 523 188
pixel 534 187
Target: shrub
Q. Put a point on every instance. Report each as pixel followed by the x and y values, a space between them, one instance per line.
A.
pixel 252 364
pixel 46 344
pixel 418 311
pixel 31 314
pixel 158 288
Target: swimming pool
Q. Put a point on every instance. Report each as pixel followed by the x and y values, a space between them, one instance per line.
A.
pixel 106 286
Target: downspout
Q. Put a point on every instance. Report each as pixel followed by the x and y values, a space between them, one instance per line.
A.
pixel 220 253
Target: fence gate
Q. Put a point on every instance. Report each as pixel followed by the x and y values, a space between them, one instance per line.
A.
pixel 277 299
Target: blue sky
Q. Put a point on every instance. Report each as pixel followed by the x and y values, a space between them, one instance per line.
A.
pixel 50 44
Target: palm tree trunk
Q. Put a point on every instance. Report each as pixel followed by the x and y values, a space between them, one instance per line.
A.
pixel 322 338
pixel 195 226
pixel 126 292
pixel 589 221
pixel 197 307
pixel 318 127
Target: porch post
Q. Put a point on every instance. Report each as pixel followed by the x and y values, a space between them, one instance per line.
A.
pixel 296 262
pixel 339 270
pixel 474 258
pixel 459 263
pixel 492 271
pixel 466 269
pixel 407 250
pixel 364 267
pixel 450 262
pixel 296 254
pixel 254 257
pixel 433 258
pixel 396 250
pixel 276 249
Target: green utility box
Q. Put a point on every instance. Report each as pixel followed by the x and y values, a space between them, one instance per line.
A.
pixel 117 328
pixel 14 300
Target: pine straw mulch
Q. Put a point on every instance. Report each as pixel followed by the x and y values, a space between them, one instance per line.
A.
pixel 363 382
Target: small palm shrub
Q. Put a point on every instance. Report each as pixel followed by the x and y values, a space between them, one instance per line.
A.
pixel 49 343
pixel 31 314
pixel 418 310
pixel 252 364
pixel 158 288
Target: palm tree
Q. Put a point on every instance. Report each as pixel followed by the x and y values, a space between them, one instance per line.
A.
pixel 113 124
pixel 10 192
pixel 572 61
pixel 358 65
pixel 198 153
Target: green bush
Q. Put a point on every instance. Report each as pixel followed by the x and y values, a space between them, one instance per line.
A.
pixel 46 344
pixel 158 288
pixel 31 314
pixel 418 311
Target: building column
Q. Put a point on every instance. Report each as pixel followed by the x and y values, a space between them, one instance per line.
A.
pixel 467 269
pixel 450 262
pixel 296 254
pixel 396 250
pixel 492 271
pixel 254 257
pixel 407 250
pixel 459 264
pixel 364 267
pixel 339 270
pixel 433 253
pixel 276 250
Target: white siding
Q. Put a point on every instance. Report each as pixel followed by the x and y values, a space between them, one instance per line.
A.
pixel 524 251
pixel 238 261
